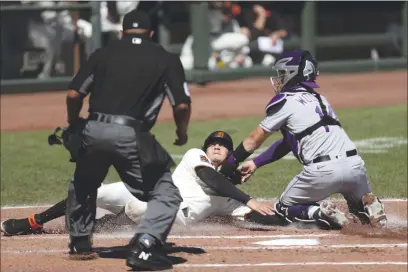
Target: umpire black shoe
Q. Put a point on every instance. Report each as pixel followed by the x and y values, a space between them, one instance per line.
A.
pixel 146 253
pixel 80 248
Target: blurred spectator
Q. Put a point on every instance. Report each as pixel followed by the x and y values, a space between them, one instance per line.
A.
pixel 228 46
pixel 13 41
pixel 48 31
pixel 265 29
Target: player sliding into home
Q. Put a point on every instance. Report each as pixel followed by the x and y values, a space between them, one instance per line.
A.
pixel 205 193
pixel 312 131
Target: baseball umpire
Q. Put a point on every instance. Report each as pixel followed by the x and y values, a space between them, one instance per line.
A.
pixel 312 131
pixel 127 81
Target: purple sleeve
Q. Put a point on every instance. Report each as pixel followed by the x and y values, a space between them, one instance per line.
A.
pixel 275 152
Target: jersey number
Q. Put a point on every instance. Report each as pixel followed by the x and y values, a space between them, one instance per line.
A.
pixel 330 112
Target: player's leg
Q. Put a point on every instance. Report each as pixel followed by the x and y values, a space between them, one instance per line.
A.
pixel 299 201
pixel 148 181
pixel 91 169
pixel 360 199
pixel 113 197
pixel 33 223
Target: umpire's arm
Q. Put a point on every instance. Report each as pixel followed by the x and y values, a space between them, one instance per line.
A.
pixel 80 87
pixel 179 97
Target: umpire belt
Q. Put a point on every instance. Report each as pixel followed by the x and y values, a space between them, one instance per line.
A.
pixel 349 153
pixel 114 119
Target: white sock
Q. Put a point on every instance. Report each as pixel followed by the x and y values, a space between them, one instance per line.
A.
pixel 311 211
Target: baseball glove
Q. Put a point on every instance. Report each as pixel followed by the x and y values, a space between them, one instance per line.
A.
pixel 70 137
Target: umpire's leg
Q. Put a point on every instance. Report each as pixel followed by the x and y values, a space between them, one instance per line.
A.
pixel 90 171
pixel 163 204
pixel 157 189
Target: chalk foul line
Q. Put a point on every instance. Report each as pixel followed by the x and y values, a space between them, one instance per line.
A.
pixel 130 235
pixel 322 247
pixel 289 264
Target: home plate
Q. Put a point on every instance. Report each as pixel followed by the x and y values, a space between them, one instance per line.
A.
pixel 289 242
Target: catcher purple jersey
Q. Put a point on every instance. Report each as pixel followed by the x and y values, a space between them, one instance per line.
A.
pixel 293 112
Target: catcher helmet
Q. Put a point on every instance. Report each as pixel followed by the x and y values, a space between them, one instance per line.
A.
pixel 221 136
pixel 295 67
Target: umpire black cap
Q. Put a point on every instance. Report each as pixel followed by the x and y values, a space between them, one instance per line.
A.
pixel 136 19
pixel 221 136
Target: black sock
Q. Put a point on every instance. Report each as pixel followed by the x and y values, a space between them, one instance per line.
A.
pixel 55 211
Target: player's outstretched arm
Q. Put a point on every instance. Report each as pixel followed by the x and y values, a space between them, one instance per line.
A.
pixel 223 187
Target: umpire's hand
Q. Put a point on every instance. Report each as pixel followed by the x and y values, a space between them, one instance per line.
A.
pixel 182 138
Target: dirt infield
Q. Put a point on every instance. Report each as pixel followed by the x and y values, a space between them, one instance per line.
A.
pixel 213 246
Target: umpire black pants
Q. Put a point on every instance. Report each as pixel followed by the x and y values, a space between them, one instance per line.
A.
pixel 117 145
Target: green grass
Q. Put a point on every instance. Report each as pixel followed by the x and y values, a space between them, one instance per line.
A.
pixel 34 172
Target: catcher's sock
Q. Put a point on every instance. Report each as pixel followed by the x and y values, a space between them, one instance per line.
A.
pixel 313 212
pixel 55 211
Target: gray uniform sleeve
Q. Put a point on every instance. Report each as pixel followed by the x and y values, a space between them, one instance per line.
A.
pixel 276 117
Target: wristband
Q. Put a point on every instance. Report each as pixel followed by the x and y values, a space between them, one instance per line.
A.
pixel 240 154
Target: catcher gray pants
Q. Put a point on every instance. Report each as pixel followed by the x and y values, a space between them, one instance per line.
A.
pixel 114 144
pixel 318 181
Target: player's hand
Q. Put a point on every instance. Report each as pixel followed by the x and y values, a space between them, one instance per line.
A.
pixel 247 169
pixel 182 138
pixel 263 208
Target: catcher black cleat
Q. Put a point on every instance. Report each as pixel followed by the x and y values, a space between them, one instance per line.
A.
pixel 145 255
pixel 21 226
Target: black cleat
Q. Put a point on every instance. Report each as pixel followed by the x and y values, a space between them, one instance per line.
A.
pixel 147 256
pixel 80 248
pixel 21 226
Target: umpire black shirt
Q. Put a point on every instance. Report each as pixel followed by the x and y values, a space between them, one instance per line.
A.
pixel 131 77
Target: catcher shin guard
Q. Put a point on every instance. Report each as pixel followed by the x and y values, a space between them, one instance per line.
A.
pixel 325 216
pixel 296 213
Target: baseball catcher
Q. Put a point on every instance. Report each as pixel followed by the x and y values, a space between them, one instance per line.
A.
pixel 312 131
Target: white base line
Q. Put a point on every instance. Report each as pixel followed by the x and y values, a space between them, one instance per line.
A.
pixel 51 251
pixel 265 199
pixel 126 236
pixel 307 247
pixel 291 264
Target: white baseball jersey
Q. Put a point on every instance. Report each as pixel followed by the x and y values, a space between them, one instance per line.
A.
pixel 291 113
pixel 199 201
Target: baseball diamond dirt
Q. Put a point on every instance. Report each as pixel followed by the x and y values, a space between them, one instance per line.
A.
pixel 213 246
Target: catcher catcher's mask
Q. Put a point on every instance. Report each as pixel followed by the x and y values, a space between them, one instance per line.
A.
pixel 221 136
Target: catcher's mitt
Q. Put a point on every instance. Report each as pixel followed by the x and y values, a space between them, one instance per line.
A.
pixel 70 137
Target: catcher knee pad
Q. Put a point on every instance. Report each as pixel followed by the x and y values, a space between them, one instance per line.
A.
pixel 374 210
